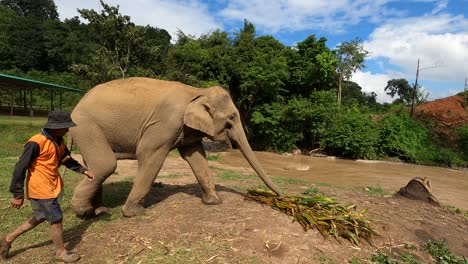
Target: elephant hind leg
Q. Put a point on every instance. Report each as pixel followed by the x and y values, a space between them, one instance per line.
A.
pixel 100 159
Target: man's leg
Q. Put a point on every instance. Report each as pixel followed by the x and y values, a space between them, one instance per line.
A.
pixel 61 253
pixel 25 227
pixel 56 232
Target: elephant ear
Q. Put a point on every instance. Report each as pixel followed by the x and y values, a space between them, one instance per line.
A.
pixel 198 115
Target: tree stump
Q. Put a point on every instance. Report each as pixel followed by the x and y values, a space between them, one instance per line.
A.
pixel 418 189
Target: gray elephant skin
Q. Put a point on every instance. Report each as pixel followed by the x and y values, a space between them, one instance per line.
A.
pixel 145 119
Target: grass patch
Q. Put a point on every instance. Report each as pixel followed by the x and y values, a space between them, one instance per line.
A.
pixel 456 210
pixel 289 181
pixel 383 258
pixel 313 191
pixel 441 253
pixel 170 176
pixel 375 191
pixel 15 131
pixel 212 157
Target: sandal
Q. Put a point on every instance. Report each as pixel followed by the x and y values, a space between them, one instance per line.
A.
pixel 68 257
pixel 4 248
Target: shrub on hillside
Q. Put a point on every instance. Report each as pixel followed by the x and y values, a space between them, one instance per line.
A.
pixel 401 136
pixel 352 135
pixel 462 133
pixel 300 123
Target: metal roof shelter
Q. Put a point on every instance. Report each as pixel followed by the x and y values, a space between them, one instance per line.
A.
pixel 14 84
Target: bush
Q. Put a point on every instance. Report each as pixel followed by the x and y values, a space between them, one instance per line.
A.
pixel 462 133
pixel 300 123
pixel 351 135
pixel 401 136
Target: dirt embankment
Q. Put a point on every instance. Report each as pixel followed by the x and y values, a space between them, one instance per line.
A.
pixel 445 114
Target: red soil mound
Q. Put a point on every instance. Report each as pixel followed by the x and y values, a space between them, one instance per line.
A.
pixel 446 114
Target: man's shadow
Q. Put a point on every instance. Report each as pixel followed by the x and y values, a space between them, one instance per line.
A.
pixel 114 195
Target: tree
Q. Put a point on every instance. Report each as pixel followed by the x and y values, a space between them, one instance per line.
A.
pixel 399 87
pixel 404 90
pixel 257 70
pixel 242 55
pixel 118 39
pixel 153 50
pixel 7 20
pixel 351 56
pixel 312 66
pixel 39 9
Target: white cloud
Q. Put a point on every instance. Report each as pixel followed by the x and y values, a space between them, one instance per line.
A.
pixel 440 41
pixel 297 15
pixel 370 82
pixel 190 16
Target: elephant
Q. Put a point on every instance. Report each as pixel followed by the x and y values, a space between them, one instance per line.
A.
pixel 144 119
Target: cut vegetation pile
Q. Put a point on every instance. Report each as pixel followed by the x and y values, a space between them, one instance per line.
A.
pixel 321 212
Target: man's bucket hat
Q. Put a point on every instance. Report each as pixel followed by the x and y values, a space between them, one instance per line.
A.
pixel 59 120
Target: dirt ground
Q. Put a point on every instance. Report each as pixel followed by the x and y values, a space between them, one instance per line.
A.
pixel 178 228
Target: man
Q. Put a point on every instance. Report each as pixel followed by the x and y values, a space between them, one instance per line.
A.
pixel 42 156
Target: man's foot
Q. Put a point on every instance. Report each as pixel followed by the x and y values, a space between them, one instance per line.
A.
pixel 68 257
pixel 4 248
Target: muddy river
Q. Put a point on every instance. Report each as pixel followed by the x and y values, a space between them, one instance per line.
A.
pixel 449 186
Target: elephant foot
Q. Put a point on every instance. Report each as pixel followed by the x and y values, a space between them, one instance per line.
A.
pixel 211 199
pixel 132 209
pixel 83 211
pixel 101 210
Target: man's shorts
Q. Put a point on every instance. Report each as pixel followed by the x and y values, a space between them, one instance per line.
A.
pixel 48 209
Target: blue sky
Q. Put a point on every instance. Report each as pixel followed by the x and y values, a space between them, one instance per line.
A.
pixel 395 32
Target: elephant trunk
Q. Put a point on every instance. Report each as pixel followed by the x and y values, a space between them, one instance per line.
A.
pixel 240 138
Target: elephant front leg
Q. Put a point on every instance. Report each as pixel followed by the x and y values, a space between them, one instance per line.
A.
pixel 195 157
pixel 148 169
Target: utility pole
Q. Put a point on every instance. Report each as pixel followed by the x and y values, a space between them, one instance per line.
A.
pixel 415 88
pixel 465 93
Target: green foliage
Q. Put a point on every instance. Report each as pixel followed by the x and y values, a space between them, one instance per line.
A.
pixel 15 131
pixel 214 157
pixel 350 58
pixel 462 133
pixel 351 135
pixel 320 212
pixel 38 9
pixel 401 136
pixel 118 40
pixel 457 210
pixel 301 122
pixel 441 254
pixel 312 65
pixel 377 191
pixel 313 191
pixel 400 87
pixel 382 258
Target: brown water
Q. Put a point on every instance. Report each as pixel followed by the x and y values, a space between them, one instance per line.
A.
pixel 449 186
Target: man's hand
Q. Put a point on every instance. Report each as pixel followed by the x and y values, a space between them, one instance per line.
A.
pixel 89 174
pixel 17 202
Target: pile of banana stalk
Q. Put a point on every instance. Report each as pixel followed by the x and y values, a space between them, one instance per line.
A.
pixel 321 212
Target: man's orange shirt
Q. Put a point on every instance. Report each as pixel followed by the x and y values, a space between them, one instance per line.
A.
pixel 44 180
